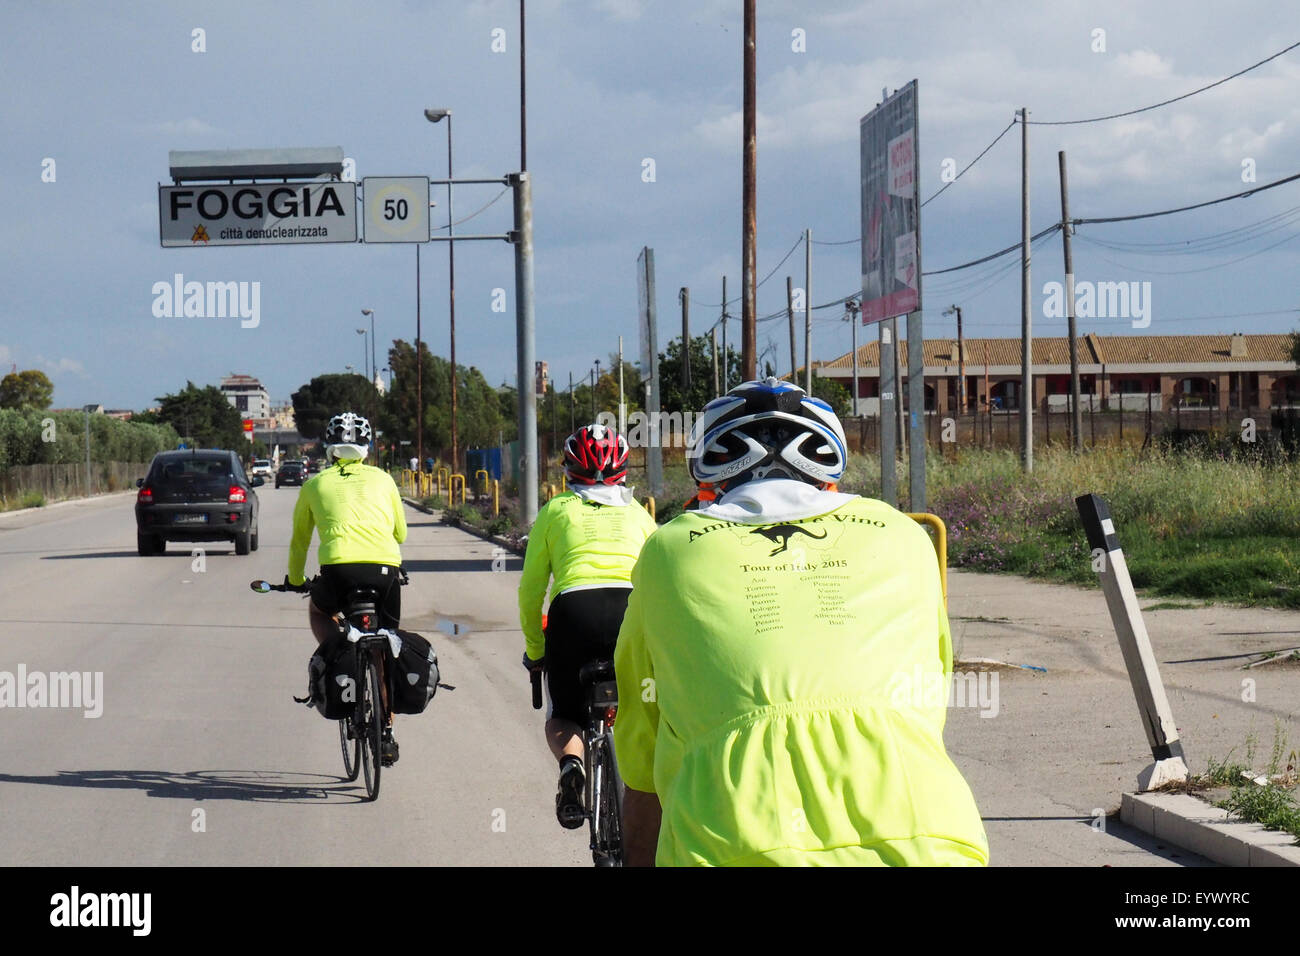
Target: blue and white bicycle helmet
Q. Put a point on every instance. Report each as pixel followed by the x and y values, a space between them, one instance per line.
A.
pixel 766 429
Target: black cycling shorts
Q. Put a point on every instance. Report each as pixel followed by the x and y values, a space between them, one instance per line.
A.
pixel 581 627
pixel 330 590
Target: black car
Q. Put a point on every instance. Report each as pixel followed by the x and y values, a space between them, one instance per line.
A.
pixel 290 473
pixel 196 495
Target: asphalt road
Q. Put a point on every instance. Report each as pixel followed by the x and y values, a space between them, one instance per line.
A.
pixel 201 757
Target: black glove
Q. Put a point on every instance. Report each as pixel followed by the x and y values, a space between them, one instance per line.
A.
pixel 531 665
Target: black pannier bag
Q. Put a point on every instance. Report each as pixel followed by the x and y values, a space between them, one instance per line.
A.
pixel 412 674
pixel 331 679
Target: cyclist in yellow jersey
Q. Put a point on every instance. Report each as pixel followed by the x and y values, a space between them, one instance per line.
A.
pixel 357 510
pixel 586 540
pixel 761 657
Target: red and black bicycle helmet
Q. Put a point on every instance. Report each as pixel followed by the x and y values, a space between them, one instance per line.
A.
pixel 595 455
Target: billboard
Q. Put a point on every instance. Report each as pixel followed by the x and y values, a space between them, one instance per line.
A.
pixel 891 209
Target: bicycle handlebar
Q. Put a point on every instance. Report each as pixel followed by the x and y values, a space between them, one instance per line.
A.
pixel 265 587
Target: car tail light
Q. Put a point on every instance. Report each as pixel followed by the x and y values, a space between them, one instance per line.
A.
pixel 145 497
pixel 236 496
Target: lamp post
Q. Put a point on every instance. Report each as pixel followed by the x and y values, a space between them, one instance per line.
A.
pixel 434 116
pixel 365 352
pixel 373 364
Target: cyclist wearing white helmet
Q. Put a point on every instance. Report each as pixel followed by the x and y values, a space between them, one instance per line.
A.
pixel 772 626
pixel 357 510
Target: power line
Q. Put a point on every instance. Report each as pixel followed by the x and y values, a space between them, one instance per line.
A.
pixel 1210 268
pixel 1200 205
pixel 719 305
pixel 1098 119
pixel 970 164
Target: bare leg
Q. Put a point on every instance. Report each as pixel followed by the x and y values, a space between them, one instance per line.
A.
pixel 322 625
pixel 563 737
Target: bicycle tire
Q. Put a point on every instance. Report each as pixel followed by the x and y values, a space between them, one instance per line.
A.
pixel 351 748
pixel 371 725
pixel 611 800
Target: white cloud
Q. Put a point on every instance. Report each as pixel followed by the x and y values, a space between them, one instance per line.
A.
pixel 190 126
pixel 62 365
pixel 621 9
pixel 1145 63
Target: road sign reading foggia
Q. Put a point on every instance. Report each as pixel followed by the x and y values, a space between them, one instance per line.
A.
pixel 255 214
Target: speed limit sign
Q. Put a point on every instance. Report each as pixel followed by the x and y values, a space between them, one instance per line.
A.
pixel 396 208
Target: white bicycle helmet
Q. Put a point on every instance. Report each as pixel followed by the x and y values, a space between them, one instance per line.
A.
pixel 347 437
pixel 766 429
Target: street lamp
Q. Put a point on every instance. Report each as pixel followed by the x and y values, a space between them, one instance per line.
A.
pixel 373 363
pixel 435 116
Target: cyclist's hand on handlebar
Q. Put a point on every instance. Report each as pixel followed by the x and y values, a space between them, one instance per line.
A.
pixel 531 665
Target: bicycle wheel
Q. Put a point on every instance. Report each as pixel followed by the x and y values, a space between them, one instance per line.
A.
pixel 371 724
pixel 350 741
pixel 611 804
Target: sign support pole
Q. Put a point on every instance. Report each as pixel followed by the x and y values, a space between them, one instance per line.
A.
pixel 1139 658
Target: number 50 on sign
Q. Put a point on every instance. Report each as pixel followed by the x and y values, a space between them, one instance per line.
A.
pixel 396 208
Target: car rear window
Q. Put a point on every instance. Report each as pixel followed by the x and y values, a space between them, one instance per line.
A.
pixel 192 469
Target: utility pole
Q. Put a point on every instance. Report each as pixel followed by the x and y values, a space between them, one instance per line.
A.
pixel 807 311
pixel 725 354
pixel 851 308
pixel 622 405
pixel 1076 414
pixel 789 314
pixel 961 361
pixel 685 295
pixel 573 407
pixel 749 230
pixel 525 331
pixel 419 369
pixel 1026 329
pixel 713 336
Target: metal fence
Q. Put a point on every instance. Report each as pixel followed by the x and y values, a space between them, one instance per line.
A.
pixel 1000 429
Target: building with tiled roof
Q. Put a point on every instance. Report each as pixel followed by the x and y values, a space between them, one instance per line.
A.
pixel 1129 371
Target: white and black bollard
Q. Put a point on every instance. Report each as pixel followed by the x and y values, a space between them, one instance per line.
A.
pixel 1153 705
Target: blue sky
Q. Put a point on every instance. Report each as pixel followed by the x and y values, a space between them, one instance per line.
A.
pixel 105 90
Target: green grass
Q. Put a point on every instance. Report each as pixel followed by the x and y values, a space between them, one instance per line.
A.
pixel 1271 806
pixel 28 499
pixel 1191 526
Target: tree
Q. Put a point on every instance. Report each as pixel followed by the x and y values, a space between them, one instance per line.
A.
pixel 1295 349
pixel 671 396
pixel 479 419
pixel 833 394
pixel 203 417
pixel 326 396
pixel 26 389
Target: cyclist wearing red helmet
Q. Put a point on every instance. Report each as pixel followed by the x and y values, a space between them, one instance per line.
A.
pixel 587 541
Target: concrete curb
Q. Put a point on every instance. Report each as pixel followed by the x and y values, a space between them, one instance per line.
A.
pixel 469 529
pixel 1193 824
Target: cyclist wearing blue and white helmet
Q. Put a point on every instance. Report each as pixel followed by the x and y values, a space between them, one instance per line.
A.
pixel 765 714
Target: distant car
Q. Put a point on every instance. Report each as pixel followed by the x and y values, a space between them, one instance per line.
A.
pixel 290 473
pixel 196 495
pixel 262 468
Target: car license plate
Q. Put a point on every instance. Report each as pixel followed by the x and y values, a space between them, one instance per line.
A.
pixel 191 518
